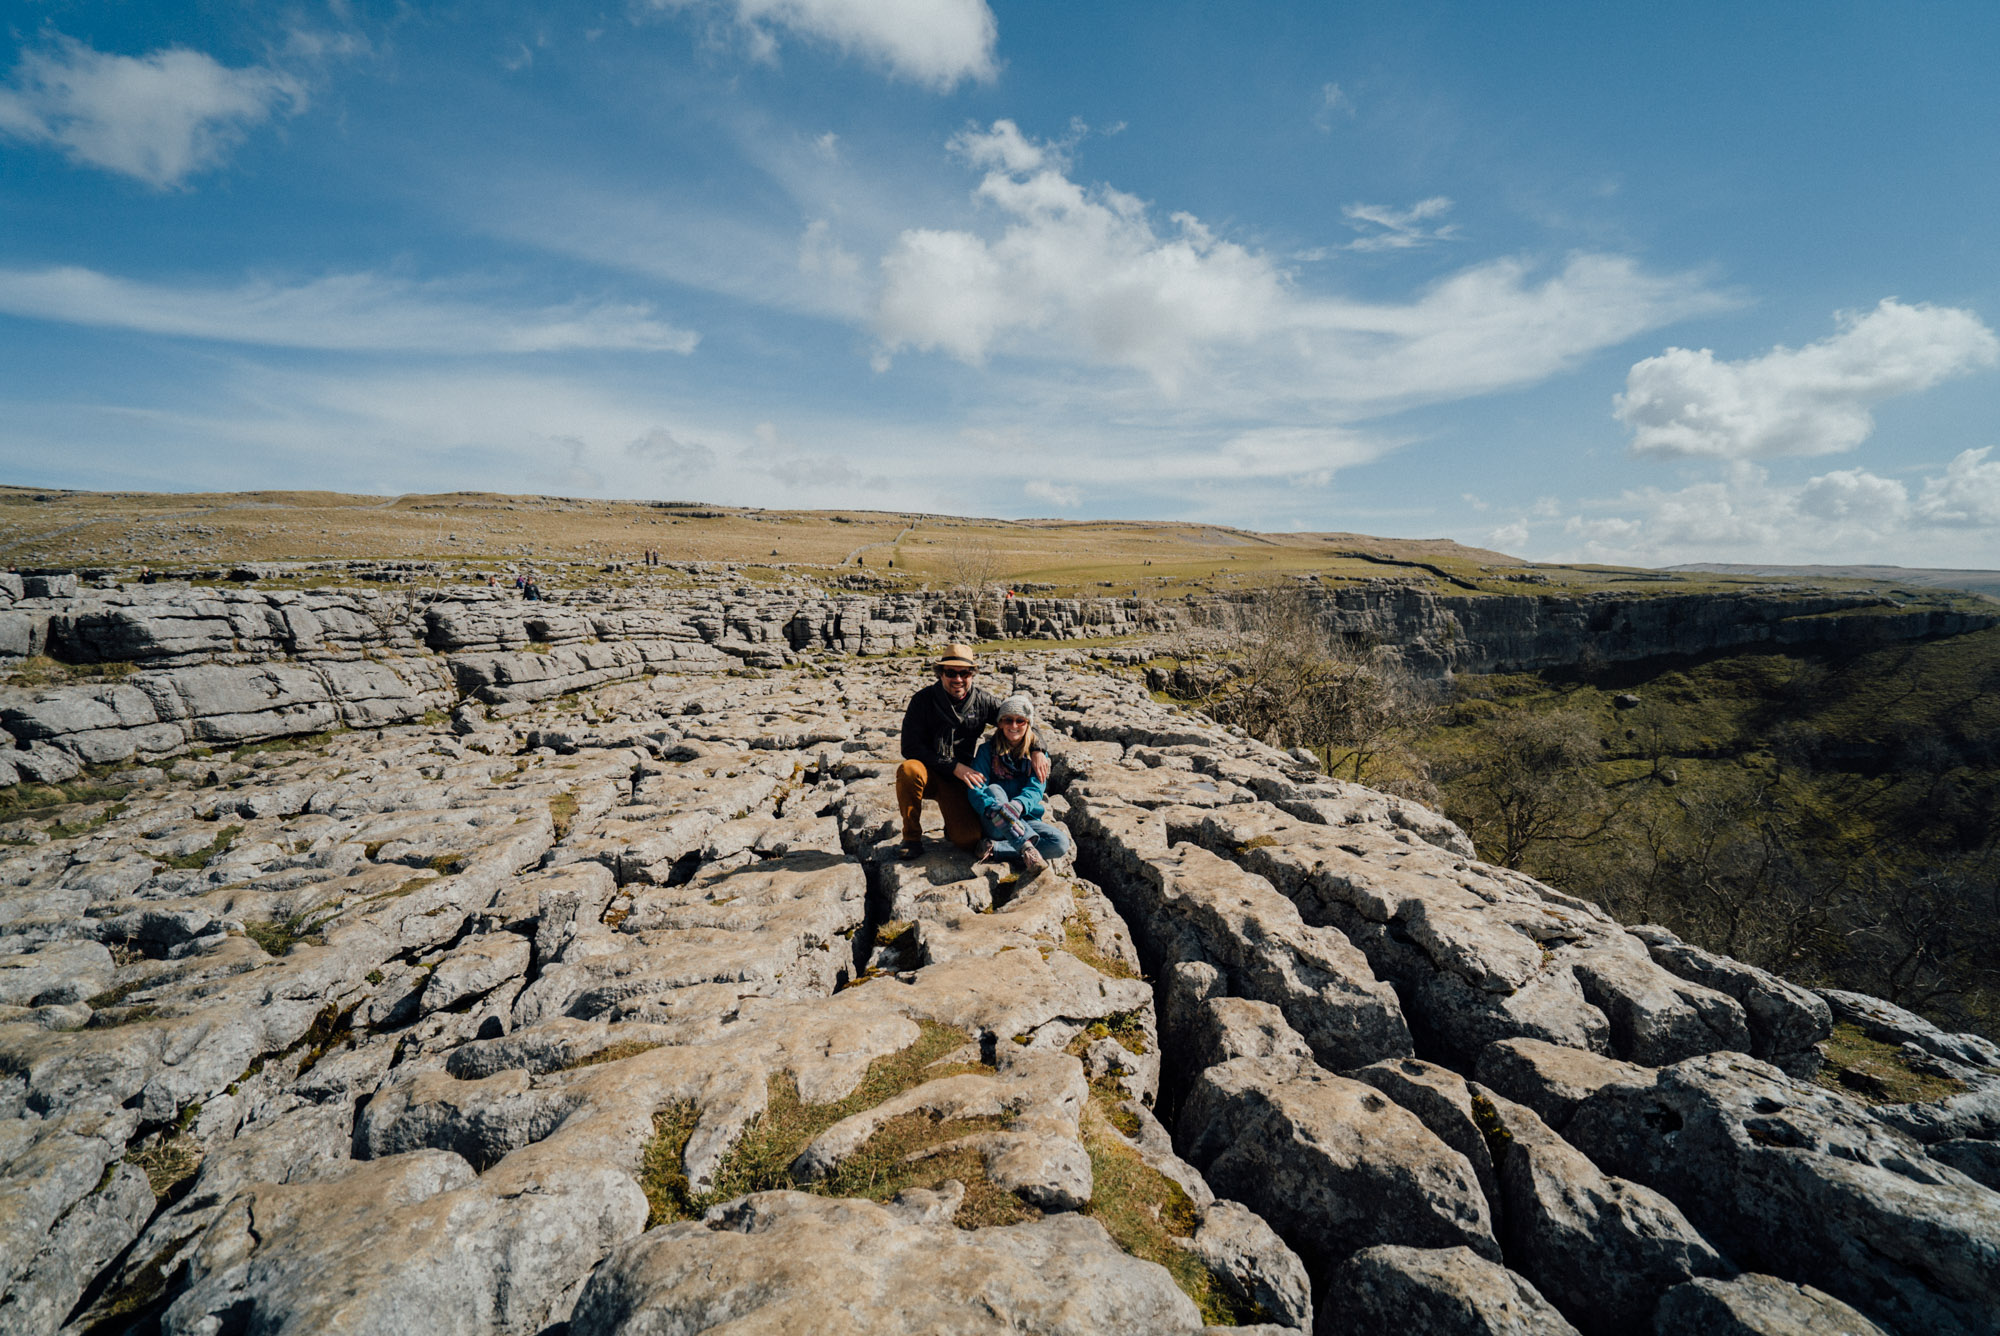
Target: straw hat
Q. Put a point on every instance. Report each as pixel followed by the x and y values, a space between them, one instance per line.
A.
pixel 957 656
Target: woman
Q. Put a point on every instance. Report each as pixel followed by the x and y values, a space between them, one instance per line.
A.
pixel 1010 803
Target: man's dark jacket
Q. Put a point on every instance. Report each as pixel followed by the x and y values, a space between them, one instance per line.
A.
pixel 941 732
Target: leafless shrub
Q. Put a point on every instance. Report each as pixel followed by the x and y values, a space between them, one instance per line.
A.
pixel 1285 680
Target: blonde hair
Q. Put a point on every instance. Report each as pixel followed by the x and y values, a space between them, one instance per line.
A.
pixel 1006 748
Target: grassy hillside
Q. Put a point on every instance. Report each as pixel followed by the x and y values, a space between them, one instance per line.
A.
pixel 481 531
pixel 1832 816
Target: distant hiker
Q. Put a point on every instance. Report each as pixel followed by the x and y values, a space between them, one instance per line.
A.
pixel 1010 799
pixel 941 729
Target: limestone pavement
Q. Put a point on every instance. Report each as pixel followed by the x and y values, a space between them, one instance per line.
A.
pixel 611 1010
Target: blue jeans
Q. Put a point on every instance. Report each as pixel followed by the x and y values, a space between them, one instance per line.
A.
pixel 1052 840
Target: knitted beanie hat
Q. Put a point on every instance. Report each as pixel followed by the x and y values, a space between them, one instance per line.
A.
pixel 1017 704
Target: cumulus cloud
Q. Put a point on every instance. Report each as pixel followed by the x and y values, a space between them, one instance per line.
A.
pixel 1384 228
pixel 1841 516
pixel 1077 271
pixel 661 449
pixel 1062 498
pixel 1087 264
pixel 935 43
pixel 347 312
pixel 1968 493
pixel 158 118
pixel 1855 496
pixel 1807 401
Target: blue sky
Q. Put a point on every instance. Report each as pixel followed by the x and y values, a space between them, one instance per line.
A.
pixel 1618 283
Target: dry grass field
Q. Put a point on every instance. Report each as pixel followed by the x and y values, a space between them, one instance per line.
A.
pixel 484 531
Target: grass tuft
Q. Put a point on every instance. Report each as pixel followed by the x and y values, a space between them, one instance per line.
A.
pixel 562 812
pixel 761 1159
pixel 1148 1214
pixel 200 858
pixel 618 1052
pixel 300 742
pixel 1077 940
pixel 279 936
pixel 1875 1072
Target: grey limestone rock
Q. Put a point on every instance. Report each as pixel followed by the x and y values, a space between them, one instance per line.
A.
pixel 1792 1179
pixel 80 1245
pixel 1186 904
pixel 1754 1305
pixel 412 1234
pixel 476 967
pixel 58 972
pixel 784 1261
pixel 1971 1114
pixel 1444 1101
pixel 1244 1252
pixel 1785 1020
pixel 1332 1163
pixel 1552 1079
pixel 1434 1292
pixel 1892 1024
pixel 1601 1248
pixel 1977 1160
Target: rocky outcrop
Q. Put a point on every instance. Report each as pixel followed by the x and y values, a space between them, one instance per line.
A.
pixel 1437 634
pixel 902 1271
pixel 161 712
pixel 615 1011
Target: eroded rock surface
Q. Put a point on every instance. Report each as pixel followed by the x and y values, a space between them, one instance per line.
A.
pixel 599 997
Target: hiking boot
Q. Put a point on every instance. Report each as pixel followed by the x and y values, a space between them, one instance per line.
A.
pixel 910 849
pixel 1032 859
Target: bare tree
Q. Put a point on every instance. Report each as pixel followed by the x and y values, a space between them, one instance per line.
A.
pixel 1533 783
pixel 969 566
pixel 1285 679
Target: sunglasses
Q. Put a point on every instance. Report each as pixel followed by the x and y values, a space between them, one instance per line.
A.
pixel 958 674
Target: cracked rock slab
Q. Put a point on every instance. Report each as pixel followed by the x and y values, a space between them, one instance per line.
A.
pixel 787 1261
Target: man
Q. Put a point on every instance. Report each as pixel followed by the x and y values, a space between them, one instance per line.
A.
pixel 941 731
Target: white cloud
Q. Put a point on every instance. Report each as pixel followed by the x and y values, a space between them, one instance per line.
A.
pixel 1855 496
pixel 1508 536
pixel 159 118
pixel 822 257
pixel 1967 494
pixel 347 312
pixel 1384 228
pixel 1083 273
pixel 935 43
pixel 1842 516
pixel 1062 498
pixel 1807 401
pixel 662 450
pixel 1332 99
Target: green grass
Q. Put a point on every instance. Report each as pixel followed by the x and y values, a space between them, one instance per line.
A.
pixel 297 742
pixel 200 857
pixel 1829 814
pixel 279 936
pixel 39 670
pixel 33 802
pixel 1147 1214
pixel 1079 943
pixel 1876 1072
pixel 618 1052
pixel 761 1159
pixel 562 812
